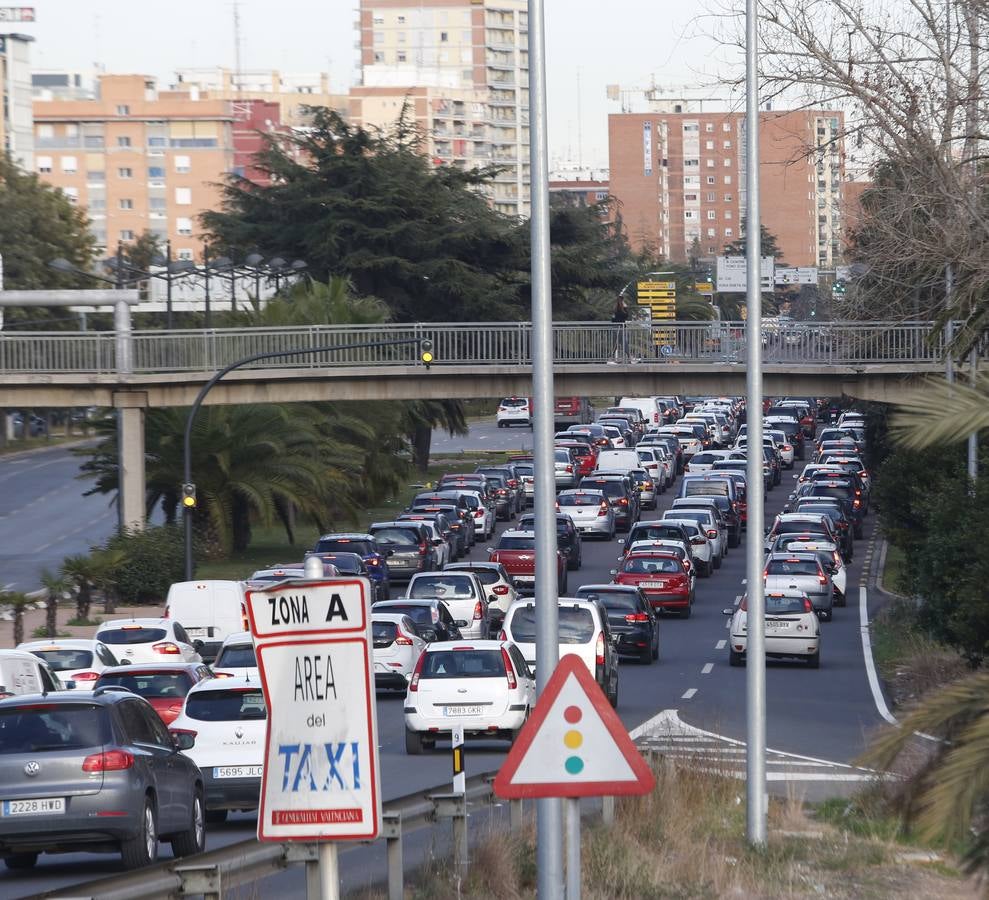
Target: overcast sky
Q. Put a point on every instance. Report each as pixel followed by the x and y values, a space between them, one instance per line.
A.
pixel 589 42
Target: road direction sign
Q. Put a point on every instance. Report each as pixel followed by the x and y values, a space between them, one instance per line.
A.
pixel 574 744
pixel 313 644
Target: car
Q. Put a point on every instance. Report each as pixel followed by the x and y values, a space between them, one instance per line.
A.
pixel 514 411
pixel 459 519
pixel 79 660
pixel 347 565
pixel 432 618
pixel 661 576
pixel 482 687
pixel 714 527
pixel 397 646
pixel 222 730
pixel 658 463
pixel 584 632
pixel 371 553
pixel 645 486
pixel 786 451
pixel 163 685
pixel 656 530
pixel 507 479
pixel 482 509
pixel 526 469
pixel 236 658
pixel 630 618
pixel 700 544
pixel 208 611
pixel 68 759
pixel 590 512
pixel 828 555
pixel 567 537
pixel 621 495
pixel 584 454
pixel 463 594
pixel 792 628
pixel 506 499
pixel 407 548
pixel 516 551
pixel 147 640
pixel 445 543
pixel 838 511
pixel 498 584
pixel 812 523
pixel 565 467
pixel 731 514
pixel 801 571
pixel 22 672
pixel 704 462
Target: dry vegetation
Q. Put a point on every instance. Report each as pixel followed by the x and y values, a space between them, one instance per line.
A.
pixel 686 839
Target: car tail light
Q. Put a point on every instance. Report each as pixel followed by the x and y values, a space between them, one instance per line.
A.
pixel 478 611
pixel 623 501
pixel 108 761
pixel 414 683
pixel 167 648
pixel 648 485
pixel 509 671
pixel 85 676
pixel 423 548
pixel 513 483
pixel 603 508
pixel 636 617
pixel 403 640
pixel 822 579
pixel 166 614
pixel 787 447
pixel 744 605
pixel 373 561
pixel 501 492
pixel 223 674
pixel 808 606
pixel 500 589
pixel 502 636
pixel 856 503
pixel 599 650
pixel 765 573
pixel 711 533
pixel 245 623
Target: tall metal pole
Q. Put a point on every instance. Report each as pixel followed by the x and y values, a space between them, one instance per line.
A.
pixel 209 320
pixel 973 438
pixel 168 285
pixel 549 812
pixel 755 675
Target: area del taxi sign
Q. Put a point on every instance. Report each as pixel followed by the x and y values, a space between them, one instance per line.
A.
pixel 573 744
pixel 313 644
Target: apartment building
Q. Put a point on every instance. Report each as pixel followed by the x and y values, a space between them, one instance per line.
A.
pixel 678 175
pixel 473 56
pixel 16 127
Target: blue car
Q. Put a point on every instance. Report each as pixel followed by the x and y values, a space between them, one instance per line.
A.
pixel 367 548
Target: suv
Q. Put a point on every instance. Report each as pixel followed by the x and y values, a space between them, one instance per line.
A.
pixel 505 498
pixel 630 618
pixel 567 537
pixel 407 546
pixel 497 583
pixel 512 481
pixel 622 496
pixel 66 759
pixel 514 411
pixel 368 548
pixel 463 594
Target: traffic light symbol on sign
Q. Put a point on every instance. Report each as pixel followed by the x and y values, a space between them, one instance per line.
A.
pixel 573 740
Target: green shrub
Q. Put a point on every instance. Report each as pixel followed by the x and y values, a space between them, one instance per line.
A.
pixel 152 560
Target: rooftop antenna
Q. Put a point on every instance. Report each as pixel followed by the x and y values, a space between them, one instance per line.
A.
pixel 236 84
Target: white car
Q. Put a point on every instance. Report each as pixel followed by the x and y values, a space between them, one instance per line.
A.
pixel 441 548
pixel 564 468
pixel 484 687
pixel 236 657
pixel 397 648
pixel 688 441
pixel 828 553
pixel 700 545
pixel 657 464
pixel 710 521
pixel 147 640
pixel 704 461
pixel 514 411
pixel 615 436
pixel 590 512
pixel 73 659
pixel 784 446
pixel 498 584
pixel 792 628
pixel 222 730
pixel 463 595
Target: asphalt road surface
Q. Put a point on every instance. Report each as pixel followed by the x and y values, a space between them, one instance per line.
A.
pixel 826 713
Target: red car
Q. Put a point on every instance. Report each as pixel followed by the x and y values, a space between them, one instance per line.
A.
pixel 163 685
pixel 587 456
pixel 661 576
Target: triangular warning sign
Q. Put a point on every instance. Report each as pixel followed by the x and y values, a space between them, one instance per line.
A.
pixel 574 744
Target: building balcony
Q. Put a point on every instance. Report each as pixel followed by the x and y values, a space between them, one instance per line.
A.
pixel 58 143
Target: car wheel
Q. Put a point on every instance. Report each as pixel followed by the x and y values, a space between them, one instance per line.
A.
pixel 706 569
pixel 142 849
pixel 736 659
pixel 814 660
pixel 646 656
pixel 216 816
pixel 186 843
pixel 413 742
pixel 717 562
pixel 613 697
pixel 20 861
pixel 686 611
pixel 840 599
pixel 655 645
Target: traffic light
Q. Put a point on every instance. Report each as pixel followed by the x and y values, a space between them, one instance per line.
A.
pixel 189 496
pixel 426 351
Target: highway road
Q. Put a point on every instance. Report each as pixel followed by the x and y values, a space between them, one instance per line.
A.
pixel 826 713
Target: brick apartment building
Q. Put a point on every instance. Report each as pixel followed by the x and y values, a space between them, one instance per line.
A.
pixel 678 175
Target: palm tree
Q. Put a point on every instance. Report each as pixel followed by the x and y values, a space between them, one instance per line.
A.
pixel 941 413
pixel 82 572
pixel 948 796
pixel 57 586
pixel 18 602
pixel 693 308
pixel 420 417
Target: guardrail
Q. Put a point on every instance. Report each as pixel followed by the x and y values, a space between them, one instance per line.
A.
pixel 478 343
pixel 216 871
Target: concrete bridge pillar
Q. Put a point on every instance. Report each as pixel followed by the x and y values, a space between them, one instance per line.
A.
pixel 130 406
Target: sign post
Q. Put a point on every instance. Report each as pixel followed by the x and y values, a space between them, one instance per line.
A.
pixel 312 639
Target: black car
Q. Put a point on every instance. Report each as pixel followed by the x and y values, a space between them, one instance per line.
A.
pixel 839 511
pixel 370 552
pixel 454 537
pixel 623 498
pixel 432 618
pixel 94 771
pixel 461 515
pixel 630 617
pixel 567 537
pixel 505 497
pixel 843 488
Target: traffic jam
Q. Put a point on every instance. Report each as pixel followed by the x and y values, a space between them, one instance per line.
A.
pixel 154 730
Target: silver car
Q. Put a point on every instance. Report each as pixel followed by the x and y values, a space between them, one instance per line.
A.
pixel 565 468
pixel 801 572
pixel 590 511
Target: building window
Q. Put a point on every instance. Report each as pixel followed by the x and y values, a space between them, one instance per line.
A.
pixel 710 163
pixel 183 165
pixel 711 215
pixel 709 126
pixel 183 196
pixel 401 56
pixel 157 204
pixel 726 126
pixel 444 37
pixel 727 213
pixel 690 127
pixel 727 198
pixel 123 141
pixel 691 163
pixel 69 165
pixel 711 179
pixel 729 232
pixel 126 234
pixel 72 194
pixel 726 163
pixel 690 198
pixel 45 165
pixel 156 171
pixel 379 20
pixel 708 145
pixel 401 37
pixel 711 196
pixel 379 37
pixel 727 179
pixel 401 20
pixel 726 145
pixel 124 172
pixel 46 131
pixel 379 57
pixel 126 204
pixel 185 254
pixel 712 232
pixel 689 214
pixel 123 109
pixel 157 142
pixel 183 225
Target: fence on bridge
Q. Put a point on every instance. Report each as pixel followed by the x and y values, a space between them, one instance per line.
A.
pixel 479 343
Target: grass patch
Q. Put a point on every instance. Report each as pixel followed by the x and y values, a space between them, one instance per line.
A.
pixel 84 623
pixel 42 632
pixel 895 571
pixel 34 443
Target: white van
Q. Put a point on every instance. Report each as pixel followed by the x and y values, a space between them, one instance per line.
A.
pixel 209 611
pixel 24 673
pixel 652 412
pixel 618 461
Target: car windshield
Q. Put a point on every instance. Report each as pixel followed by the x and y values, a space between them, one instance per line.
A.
pixel 445 585
pixel 610 489
pixel 517 543
pixel 652 566
pixel 150 684
pixel 811 525
pixel 226 705
pixel 383 633
pixel 695 515
pixel 781 605
pixel 344 545
pixel 791 567
pixel 579 500
pixel 576 625
pixel 656 533
pixel 705 488
pixel 562 456
pixel 48 726
pixel 620 601
pixel 131 635
pixel 421 614
pixel 236 656
pixel 468 663
pixel 64 660
pixel 404 537
pixel 515 402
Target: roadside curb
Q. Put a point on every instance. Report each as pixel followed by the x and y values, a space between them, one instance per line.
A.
pixel 34 451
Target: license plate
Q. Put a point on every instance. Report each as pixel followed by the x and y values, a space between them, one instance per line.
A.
pixel 653 584
pixel 461 710
pixel 42 806
pixel 398 563
pixel 196 632
pixel 770 624
pixel 525 579
pixel 238 771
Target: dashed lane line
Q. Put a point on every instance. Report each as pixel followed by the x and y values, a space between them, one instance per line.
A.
pixel 707 669
pixel 721 645
pixel 689 693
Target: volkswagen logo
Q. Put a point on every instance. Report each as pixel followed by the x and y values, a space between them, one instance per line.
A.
pixel 238 733
pixel 32 768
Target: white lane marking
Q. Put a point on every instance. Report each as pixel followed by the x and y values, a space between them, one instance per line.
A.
pixel 870 665
pixel 745 581
pixel 707 669
pixel 689 693
pixel 720 645
pixel 69 534
pixel 738 599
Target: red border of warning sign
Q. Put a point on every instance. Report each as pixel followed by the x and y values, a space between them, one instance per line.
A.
pixel 573 665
